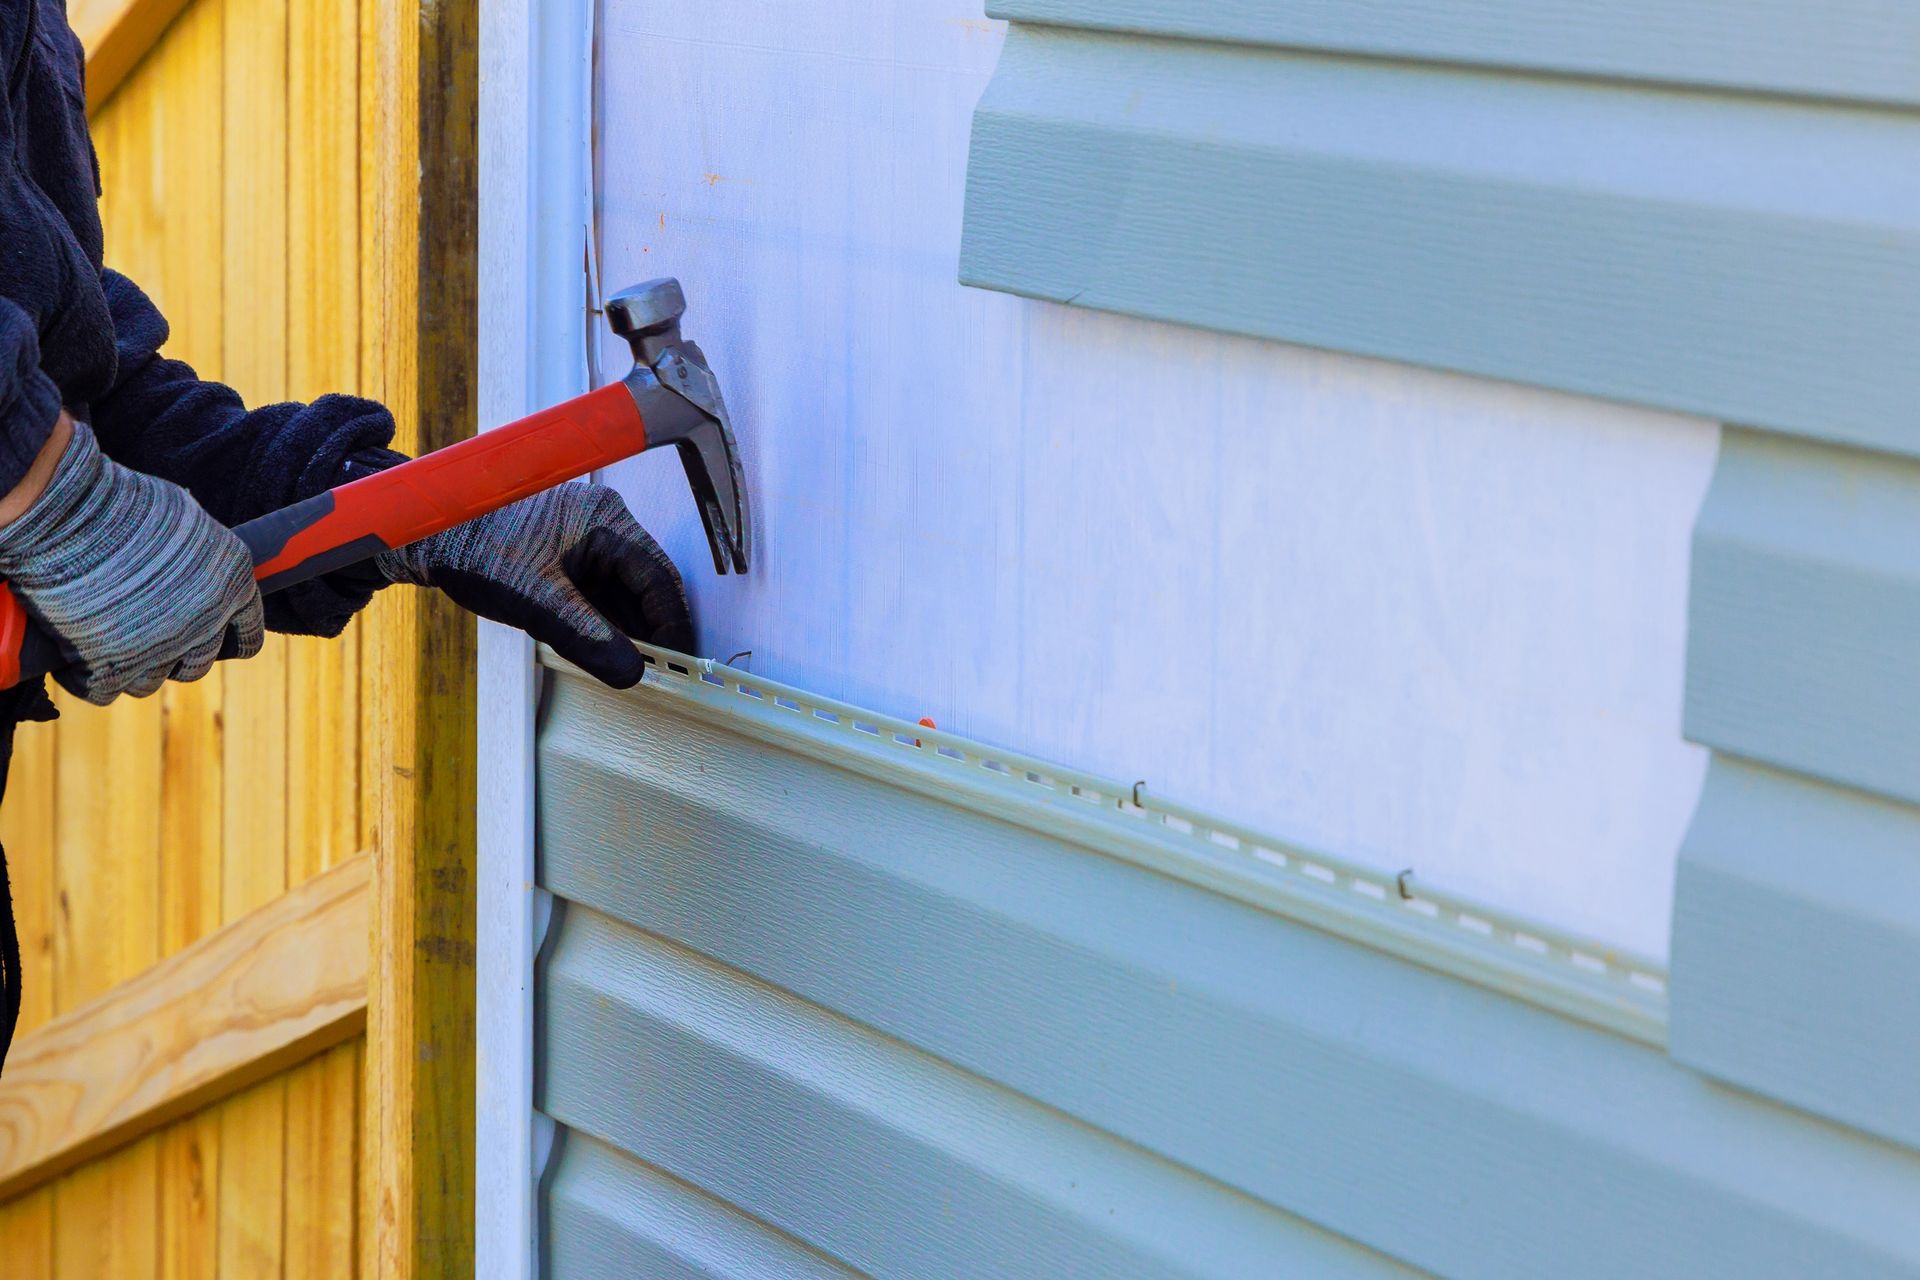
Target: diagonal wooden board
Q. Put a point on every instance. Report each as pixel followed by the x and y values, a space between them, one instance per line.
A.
pixel 272 988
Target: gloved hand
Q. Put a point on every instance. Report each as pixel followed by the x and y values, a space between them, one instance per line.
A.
pixel 138 583
pixel 570 567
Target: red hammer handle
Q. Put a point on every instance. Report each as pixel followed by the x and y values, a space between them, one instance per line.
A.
pixel 392 508
pixel 450 486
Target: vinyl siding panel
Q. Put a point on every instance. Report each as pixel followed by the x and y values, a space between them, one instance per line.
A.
pixel 1805 614
pixel 803 1004
pixel 611 1217
pixel 1796 929
pixel 778 977
pixel 1796 938
pixel 1752 260
pixel 882 1157
pixel 1861 49
pixel 1699 208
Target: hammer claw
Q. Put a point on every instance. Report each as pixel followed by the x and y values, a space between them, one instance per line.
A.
pixel 681 402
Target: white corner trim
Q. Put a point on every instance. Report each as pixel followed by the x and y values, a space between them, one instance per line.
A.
pixel 533 204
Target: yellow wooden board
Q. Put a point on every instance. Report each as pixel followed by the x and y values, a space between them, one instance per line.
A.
pixel 188 285
pixel 228 791
pixel 27 833
pixel 323 355
pixel 26 1237
pixel 263 161
pixel 105 1217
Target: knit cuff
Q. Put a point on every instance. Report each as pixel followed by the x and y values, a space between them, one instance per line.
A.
pixel 46 524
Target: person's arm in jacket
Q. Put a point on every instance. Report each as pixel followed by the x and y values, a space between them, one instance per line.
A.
pixel 570 567
pixel 162 418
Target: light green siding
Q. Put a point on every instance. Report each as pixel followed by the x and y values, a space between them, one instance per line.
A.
pixel 1797 909
pixel 1864 49
pixel 1699 206
pixel 612 1217
pixel 1804 645
pixel 940 1030
pixel 822 999
pixel 1747 259
pixel 1797 944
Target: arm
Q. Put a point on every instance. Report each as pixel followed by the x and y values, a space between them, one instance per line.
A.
pixel 29 413
pixel 15 502
pixel 162 419
pixel 569 566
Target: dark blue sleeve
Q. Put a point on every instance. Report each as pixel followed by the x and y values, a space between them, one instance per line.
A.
pixel 238 463
pixel 29 400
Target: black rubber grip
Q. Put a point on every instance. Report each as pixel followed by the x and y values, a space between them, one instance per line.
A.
pixel 267 536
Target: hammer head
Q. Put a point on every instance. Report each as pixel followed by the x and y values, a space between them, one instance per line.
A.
pixel 680 402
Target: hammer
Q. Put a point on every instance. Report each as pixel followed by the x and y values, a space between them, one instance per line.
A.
pixel 669 397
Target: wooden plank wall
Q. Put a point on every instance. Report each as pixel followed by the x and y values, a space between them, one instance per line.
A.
pixel 231 158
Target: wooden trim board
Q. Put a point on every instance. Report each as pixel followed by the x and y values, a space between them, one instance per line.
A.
pixel 419 211
pixel 117 34
pixel 275 987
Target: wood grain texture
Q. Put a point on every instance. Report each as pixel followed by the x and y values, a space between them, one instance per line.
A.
pixel 108 856
pixel 189 286
pixel 1804 606
pixel 1744 259
pixel 29 835
pixel 26 1236
pixel 255 363
pixel 323 356
pixel 268 990
pixel 256 707
pixel 117 34
pixel 175 159
pixel 323 675
pixel 1796 934
pixel 105 1217
pixel 243 198
pixel 1457 1130
pixel 1858 49
pixel 190 1198
pixel 251 1236
pixel 160 143
pixel 323 1112
pixel 418 191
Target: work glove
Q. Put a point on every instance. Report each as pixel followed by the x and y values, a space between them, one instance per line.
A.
pixel 570 567
pixel 134 579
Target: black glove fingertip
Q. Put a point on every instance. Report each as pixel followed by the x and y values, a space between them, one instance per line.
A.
pixel 633 584
pixel 614 662
pixel 232 645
